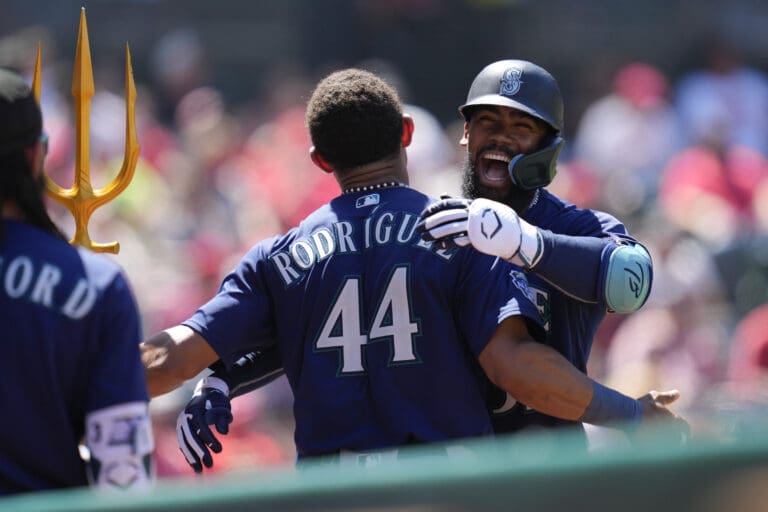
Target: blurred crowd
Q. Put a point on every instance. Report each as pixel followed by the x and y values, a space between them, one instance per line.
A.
pixel 684 164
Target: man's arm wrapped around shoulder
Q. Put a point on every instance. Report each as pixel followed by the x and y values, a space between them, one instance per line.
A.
pixel 211 403
pixel 611 270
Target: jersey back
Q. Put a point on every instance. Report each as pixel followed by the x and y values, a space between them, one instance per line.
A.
pixel 379 332
pixel 70 344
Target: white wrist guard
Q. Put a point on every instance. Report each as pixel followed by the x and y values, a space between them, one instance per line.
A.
pixel 496 229
pixel 211 382
pixel 120 442
pixel 531 246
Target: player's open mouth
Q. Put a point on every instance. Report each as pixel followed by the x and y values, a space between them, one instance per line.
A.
pixel 493 167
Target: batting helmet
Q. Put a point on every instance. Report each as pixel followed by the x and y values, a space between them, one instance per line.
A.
pixel 521 85
pixel 524 86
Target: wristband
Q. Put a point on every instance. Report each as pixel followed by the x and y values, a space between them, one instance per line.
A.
pixel 211 382
pixel 609 406
pixel 531 246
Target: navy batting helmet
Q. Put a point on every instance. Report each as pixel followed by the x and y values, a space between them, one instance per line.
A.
pixel 521 85
pixel 524 86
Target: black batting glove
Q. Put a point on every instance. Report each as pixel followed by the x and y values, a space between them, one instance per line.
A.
pixel 210 405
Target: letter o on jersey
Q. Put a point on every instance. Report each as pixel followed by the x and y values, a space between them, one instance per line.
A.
pixel 303 254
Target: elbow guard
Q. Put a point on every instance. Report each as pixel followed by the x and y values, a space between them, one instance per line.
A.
pixel 627 278
pixel 120 442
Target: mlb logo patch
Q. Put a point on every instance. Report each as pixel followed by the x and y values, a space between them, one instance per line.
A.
pixel 369 200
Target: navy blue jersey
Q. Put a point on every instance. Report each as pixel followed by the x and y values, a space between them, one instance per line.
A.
pixel 570 321
pixel 378 332
pixel 70 347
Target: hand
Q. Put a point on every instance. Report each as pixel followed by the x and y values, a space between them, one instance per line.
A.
pixel 494 228
pixel 210 405
pixel 490 227
pixel 655 411
pixel 445 223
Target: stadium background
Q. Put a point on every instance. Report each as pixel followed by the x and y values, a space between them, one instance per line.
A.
pixel 666 127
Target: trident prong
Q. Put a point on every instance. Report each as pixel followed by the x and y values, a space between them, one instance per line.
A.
pixel 82 200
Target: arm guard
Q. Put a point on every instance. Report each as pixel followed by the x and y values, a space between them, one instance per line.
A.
pixel 119 439
pixel 626 280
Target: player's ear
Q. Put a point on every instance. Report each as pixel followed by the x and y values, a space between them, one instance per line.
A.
pixel 465 135
pixel 319 161
pixel 408 128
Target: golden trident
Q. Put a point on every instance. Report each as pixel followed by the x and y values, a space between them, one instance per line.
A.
pixel 82 200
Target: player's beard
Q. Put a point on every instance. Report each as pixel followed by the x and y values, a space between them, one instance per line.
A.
pixel 473 189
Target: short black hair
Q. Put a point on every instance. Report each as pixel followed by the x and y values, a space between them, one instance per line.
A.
pixel 354 118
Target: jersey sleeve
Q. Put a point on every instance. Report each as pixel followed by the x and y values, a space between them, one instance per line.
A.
pixel 239 317
pixel 492 290
pixel 117 371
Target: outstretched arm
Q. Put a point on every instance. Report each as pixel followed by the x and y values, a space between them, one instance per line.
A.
pixel 541 378
pixel 174 356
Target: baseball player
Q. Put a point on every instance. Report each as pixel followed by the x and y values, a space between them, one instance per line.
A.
pixel 579 263
pixel 70 366
pixel 385 339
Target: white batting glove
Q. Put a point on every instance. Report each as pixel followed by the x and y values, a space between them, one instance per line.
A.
pixel 496 229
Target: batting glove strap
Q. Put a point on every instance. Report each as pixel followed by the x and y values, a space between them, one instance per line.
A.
pixel 211 382
pixel 531 246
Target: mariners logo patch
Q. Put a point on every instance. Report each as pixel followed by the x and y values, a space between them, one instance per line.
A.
pixel 369 200
pixel 511 81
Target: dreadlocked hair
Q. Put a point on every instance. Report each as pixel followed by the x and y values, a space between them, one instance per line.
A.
pixel 354 118
pixel 18 184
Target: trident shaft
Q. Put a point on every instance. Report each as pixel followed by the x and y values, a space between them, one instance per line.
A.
pixel 81 199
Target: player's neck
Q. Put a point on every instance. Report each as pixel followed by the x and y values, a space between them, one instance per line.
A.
pixel 381 172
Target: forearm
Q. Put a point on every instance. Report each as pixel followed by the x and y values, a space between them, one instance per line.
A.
pixel 172 357
pixel 541 378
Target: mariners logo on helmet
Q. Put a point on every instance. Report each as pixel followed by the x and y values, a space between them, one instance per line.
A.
pixel 511 81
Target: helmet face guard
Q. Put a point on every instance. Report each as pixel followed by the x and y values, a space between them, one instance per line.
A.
pixel 537 169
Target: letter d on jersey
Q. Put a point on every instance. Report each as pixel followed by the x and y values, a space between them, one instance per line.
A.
pixel 80 301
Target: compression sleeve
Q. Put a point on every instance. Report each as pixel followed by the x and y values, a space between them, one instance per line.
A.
pixel 250 372
pixel 572 264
